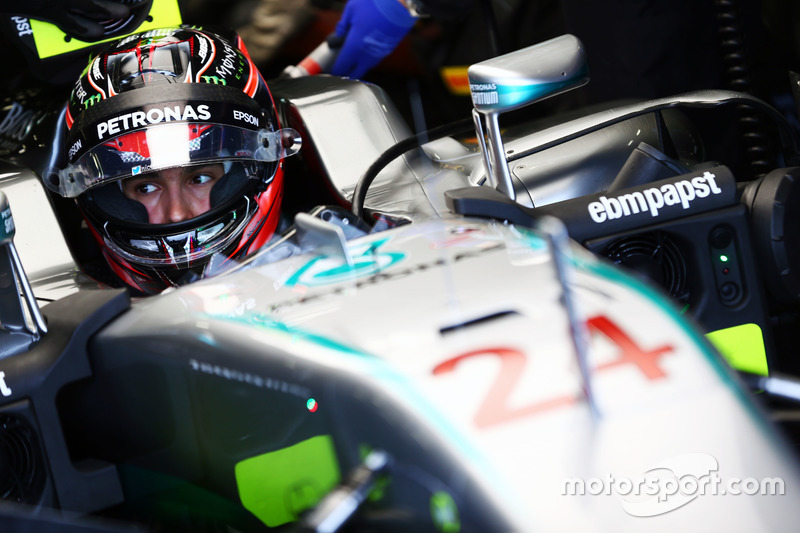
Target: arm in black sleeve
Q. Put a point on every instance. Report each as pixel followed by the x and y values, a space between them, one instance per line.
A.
pixel 79 18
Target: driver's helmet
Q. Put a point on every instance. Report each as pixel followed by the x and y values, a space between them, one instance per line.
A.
pixel 174 100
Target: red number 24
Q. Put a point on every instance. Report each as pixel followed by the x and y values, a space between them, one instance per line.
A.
pixel 495 410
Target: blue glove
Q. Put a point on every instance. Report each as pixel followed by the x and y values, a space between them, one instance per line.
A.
pixel 371 29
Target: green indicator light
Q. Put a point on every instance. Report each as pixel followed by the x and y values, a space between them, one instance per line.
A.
pixel 312 404
pixel 723 258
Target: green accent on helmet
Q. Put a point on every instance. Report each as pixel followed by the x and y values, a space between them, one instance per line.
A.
pixel 51 41
pixel 444 513
pixel 743 347
pixel 278 486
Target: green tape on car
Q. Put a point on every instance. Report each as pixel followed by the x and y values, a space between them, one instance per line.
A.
pixel 278 486
pixel 51 41
pixel 743 347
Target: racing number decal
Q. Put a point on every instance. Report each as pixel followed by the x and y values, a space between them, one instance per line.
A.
pixel 494 408
pixel 630 352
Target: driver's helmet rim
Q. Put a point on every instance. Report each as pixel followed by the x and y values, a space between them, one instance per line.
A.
pixel 210 105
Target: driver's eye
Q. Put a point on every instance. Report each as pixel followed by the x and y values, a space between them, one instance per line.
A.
pixel 200 179
pixel 145 188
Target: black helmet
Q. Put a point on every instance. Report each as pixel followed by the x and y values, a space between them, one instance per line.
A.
pixel 176 98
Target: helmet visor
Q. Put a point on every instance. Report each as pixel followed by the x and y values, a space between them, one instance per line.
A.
pixel 208 207
pixel 182 246
pixel 175 194
pixel 170 145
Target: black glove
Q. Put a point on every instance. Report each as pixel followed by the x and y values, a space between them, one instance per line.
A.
pixel 78 18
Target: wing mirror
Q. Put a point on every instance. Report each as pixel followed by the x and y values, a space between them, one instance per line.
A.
pixel 513 81
pixel 21 320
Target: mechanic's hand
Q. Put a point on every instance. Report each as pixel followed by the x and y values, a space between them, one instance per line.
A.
pixel 371 30
pixel 78 18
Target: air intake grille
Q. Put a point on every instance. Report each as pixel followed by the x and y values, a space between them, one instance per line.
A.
pixel 22 469
pixel 655 257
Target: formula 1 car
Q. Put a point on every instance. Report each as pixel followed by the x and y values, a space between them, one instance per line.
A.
pixel 452 349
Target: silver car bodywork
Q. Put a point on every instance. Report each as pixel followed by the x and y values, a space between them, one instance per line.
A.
pixel 515 382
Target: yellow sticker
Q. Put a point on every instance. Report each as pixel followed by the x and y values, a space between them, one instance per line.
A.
pixel 743 347
pixel 280 485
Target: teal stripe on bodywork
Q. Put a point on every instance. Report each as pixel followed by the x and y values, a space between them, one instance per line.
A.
pixel 512 95
pixel 722 370
pixel 264 321
pixel 616 275
pixel 383 373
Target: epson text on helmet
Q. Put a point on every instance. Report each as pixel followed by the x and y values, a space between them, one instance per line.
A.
pixel 74 149
pixel 245 117
pixel 680 192
pixel 140 119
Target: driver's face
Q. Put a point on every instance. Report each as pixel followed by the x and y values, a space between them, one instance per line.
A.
pixel 174 194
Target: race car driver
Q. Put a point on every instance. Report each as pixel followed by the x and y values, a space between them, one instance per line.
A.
pixel 174 155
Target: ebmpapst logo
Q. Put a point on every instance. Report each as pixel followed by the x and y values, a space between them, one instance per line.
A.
pixel 671 484
pixel 653 199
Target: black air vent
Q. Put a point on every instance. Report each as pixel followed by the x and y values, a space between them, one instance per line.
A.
pixel 653 256
pixel 22 469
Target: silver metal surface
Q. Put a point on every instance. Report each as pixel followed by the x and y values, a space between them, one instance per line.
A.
pixel 379 336
pixel 498 166
pixel 32 320
pixel 329 239
pixel 39 239
pixel 345 125
pixel 515 80
pixel 529 75
pixel 39 326
pixel 556 134
pixel 558 238
pixel 586 164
